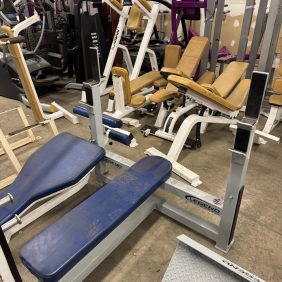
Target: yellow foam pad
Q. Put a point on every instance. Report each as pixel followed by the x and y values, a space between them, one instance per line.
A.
pixel 137 101
pixel 232 104
pixel 277 86
pixel 280 70
pixel 239 95
pixel 175 71
pixel 126 84
pixel 143 81
pixel 275 100
pixel 164 94
pixel 134 20
pixel 206 77
pixel 160 83
pixel 211 88
pixel 172 55
pixel 192 55
pixel 229 78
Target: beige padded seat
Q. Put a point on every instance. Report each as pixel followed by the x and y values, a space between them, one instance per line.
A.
pixel 143 81
pixel 234 101
pixel 275 100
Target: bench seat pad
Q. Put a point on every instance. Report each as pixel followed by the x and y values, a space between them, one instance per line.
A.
pixel 232 103
pixel 106 119
pixel 59 164
pixel 143 81
pixel 54 251
pixel 275 100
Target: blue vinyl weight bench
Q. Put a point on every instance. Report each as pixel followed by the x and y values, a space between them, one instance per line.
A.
pixel 64 162
pixel 57 249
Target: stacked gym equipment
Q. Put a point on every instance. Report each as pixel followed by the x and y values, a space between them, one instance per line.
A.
pixel 197 85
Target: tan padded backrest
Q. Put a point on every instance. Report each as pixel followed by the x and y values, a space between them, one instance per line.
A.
pixel 126 83
pixel 172 55
pixel 134 20
pixel 230 77
pixel 192 55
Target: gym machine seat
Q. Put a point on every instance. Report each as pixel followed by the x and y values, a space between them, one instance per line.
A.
pixel 57 249
pixel 186 67
pixel 57 165
pixel 233 102
pixel 219 91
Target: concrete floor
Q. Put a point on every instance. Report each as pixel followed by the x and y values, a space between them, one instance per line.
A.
pixel 145 254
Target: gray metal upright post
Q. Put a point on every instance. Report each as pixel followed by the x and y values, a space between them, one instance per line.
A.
pixel 246 25
pixel 271 36
pixel 257 37
pixel 239 161
pixel 217 32
pixel 207 32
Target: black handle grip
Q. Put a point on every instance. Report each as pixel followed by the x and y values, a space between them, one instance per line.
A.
pixel 13 40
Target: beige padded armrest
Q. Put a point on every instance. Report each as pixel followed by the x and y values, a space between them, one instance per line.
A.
pixel 160 83
pixel 163 95
pixel 137 101
pixel 230 77
pixel 134 20
pixel 126 84
pixel 172 55
pixel 167 71
pixel 145 80
pixel 275 100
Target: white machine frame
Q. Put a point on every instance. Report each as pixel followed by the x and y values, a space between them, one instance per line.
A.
pixel 133 70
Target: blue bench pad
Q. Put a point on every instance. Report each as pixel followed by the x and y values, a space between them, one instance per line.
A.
pixel 106 119
pixel 54 251
pixel 58 164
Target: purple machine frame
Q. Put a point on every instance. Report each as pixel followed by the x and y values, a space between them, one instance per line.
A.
pixel 178 9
